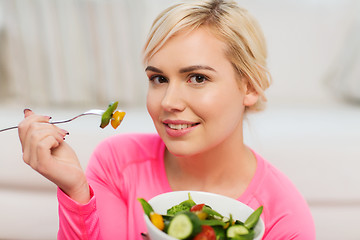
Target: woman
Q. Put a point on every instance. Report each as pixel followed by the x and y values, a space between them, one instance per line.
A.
pixel 206 64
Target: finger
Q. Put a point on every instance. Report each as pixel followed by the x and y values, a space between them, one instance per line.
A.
pixel 30 115
pixel 52 166
pixel 34 139
pixel 42 154
pixel 24 125
pixel 41 158
pixel 60 130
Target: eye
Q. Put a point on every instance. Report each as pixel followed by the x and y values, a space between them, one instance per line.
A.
pixel 197 79
pixel 158 79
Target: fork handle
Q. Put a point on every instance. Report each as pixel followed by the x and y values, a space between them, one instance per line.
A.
pixel 14 127
pixel 57 122
pixel 5 129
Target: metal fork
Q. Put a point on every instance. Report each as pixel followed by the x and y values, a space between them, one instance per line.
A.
pixel 90 112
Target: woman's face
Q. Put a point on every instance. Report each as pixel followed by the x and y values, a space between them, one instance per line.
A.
pixel 194 97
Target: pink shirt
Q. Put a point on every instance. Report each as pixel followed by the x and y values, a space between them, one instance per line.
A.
pixel 126 167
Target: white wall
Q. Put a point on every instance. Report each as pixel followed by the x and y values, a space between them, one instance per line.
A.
pixel 87 52
pixel 304 39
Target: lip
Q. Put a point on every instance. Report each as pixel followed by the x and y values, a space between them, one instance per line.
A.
pixel 179 132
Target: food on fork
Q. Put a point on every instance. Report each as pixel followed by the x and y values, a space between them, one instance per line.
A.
pixel 110 115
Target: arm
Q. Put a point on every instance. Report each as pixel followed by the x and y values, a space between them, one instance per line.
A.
pixel 104 216
pixel 105 176
pixel 291 227
pixel 77 221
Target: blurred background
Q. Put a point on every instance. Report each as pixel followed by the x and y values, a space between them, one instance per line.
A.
pixel 63 57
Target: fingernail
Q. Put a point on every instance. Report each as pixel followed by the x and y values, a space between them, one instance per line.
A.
pixel 65 132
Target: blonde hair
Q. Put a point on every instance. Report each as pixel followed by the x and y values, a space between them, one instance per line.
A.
pixel 246 46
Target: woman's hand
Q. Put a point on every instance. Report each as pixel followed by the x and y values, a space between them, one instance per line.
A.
pixel 46 152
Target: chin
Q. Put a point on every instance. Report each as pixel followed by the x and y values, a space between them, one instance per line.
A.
pixel 184 149
pixel 179 149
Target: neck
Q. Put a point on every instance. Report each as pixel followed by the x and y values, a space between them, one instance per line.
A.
pixel 226 169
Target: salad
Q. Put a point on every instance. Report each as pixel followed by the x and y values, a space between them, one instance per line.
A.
pixel 192 221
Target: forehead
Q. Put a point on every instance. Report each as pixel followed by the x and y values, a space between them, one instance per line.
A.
pixel 191 47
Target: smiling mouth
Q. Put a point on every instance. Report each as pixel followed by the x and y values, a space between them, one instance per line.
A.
pixel 180 126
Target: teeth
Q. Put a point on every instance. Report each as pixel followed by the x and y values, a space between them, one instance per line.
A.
pixel 179 126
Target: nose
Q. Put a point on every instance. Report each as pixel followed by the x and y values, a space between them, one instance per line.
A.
pixel 173 99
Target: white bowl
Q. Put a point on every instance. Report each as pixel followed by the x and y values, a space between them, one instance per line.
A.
pixel 223 205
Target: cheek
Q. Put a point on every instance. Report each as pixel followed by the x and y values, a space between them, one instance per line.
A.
pixel 153 104
pixel 223 108
pixel 149 104
pixel 220 101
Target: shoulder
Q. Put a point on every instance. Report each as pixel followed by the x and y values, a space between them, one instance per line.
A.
pixel 122 150
pixel 284 205
pixel 130 145
pixel 132 138
pixel 270 184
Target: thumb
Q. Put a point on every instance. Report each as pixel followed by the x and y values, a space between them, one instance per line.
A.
pixel 27 112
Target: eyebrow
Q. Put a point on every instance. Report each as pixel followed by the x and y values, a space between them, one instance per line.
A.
pixel 182 70
pixel 196 67
pixel 153 69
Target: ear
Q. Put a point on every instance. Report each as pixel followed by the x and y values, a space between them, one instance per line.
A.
pixel 251 96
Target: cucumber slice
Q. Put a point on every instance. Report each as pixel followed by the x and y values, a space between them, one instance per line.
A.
pixel 236 230
pixel 167 221
pixel 184 225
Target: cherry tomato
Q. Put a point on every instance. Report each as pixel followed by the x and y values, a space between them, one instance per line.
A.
pixel 197 207
pixel 207 233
